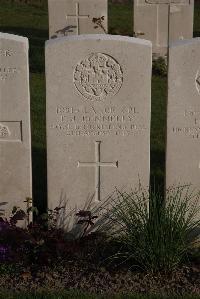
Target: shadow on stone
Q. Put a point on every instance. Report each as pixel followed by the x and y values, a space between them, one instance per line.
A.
pixel 64 31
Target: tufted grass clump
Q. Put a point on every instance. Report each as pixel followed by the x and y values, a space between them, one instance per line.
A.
pixel 159 67
pixel 156 236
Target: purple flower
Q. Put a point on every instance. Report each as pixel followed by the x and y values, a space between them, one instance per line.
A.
pixel 4 252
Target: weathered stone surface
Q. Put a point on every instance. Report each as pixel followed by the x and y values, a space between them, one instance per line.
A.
pixel 15 136
pixel 72 17
pixel 98 116
pixel 163 21
pixel 183 115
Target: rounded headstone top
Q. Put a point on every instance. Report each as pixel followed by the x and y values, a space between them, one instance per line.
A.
pixel 99 37
pixel 14 37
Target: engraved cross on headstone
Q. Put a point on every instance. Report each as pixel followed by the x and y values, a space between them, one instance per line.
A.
pixel 97 164
pixel 77 16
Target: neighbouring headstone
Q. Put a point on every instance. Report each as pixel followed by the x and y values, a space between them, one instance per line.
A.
pixel 75 17
pixel 183 115
pixel 98 116
pixel 163 21
pixel 15 135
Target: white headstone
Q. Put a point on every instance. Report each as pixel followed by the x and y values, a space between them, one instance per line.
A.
pixel 163 21
pixel 15 135
pixel 98 116
pixel 74 17
pixel 183 115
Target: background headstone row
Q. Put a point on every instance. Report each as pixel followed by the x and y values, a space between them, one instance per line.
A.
pixel 160 21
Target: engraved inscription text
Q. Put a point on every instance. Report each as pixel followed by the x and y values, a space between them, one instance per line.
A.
pixel 92 121
pixel 7 72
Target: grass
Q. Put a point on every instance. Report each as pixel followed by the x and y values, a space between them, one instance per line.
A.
pixel 80 295
pixel 121 19
pixel 155 239
pixel 38 112
pixel 158 127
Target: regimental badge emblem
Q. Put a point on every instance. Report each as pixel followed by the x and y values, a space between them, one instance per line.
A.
pixel 4 131
pixel 198 82
pixel 98 76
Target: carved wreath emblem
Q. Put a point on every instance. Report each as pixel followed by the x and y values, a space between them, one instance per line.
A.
pixel 4 131
pixel 98 76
